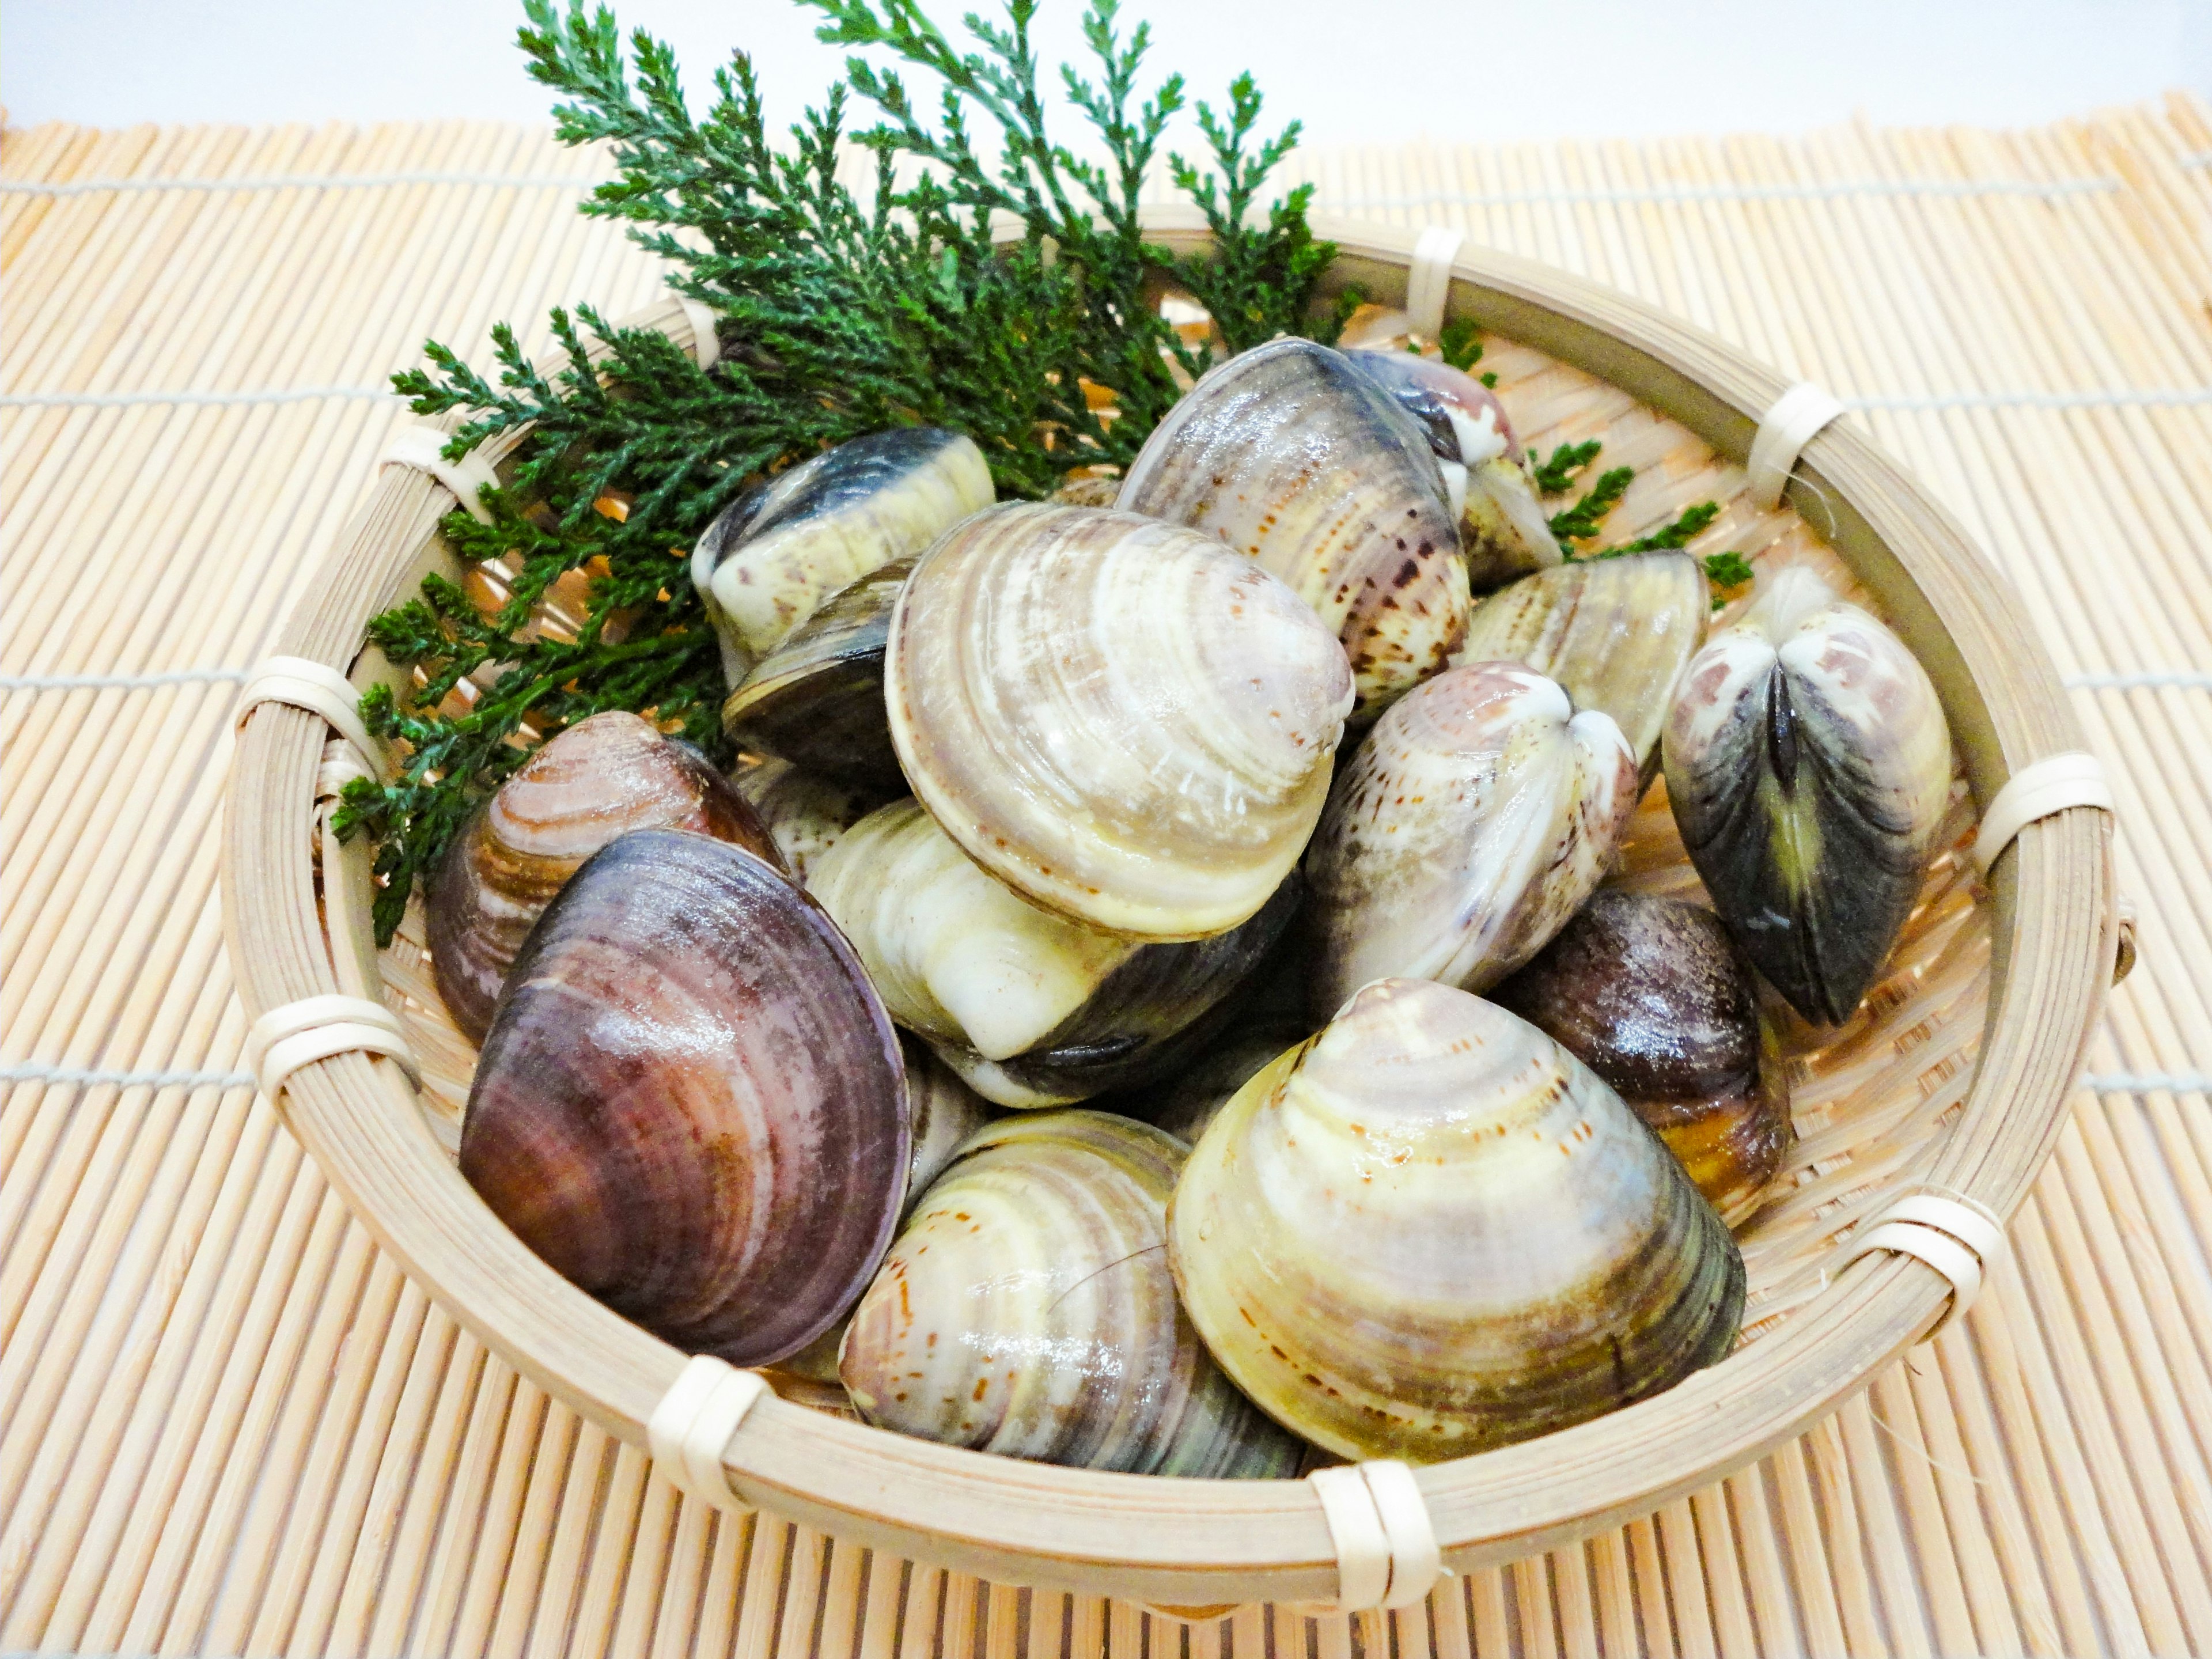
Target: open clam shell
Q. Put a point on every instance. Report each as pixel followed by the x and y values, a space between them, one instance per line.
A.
pixel 690 1103
pixel 1808 766
pixel 1465 829
pixel 1431 1230
pixel 816 700
pixel 1118 717
pixel 1030 1007
pixel 773 555
pixel 1616 634
pixel 1653 995
pixel 584 787
pixel 1027 1309
pixel 1503 528
pixel 1291 454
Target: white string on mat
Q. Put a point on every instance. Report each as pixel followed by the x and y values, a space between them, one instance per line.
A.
pixel 2051 784
pixel 296 181
pixel 81 1077
pixel 1662 193
pixel 301 394
pixel 1386 1548
pixel 2125 397
pixel 1428 279
pixel 1798 414
pixel 423 448
pixel 1959 1237
pixel 120 681
pixel 691 1426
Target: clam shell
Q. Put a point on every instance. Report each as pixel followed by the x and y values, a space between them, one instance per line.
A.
pixel 1027 1309
pixel 1503 528
pixel 1808 766
pixel 1431 1230
pixel 1290 453
pixel 1616 634
pixel 691 1102
pixel 1463 832
pixel 1653 995
pixel 773 555
pixel 1030 1007
pixel 817 699
pixel 804 813
pixel 584 787
pixel 1116 717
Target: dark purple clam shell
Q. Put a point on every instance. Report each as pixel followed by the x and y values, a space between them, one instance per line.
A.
pixel 691 1103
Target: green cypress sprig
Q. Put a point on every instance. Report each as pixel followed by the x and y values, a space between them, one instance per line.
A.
pixel 840 313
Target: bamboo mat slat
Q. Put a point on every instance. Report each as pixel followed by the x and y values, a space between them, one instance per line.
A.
pixel 229 1425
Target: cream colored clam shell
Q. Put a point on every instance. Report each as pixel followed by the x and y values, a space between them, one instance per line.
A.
pixel 955 955
pixel 1466 828
pixel 1117 717
pixel 1431 1230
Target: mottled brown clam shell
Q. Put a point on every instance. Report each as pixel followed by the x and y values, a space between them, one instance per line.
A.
pixel 1292 455
pixel 597 780
pixel 1027 1309
pixel 817 699
pixel 1653 995
pixel 691 1102
pixel 1431 1230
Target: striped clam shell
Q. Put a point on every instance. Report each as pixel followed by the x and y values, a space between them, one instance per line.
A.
pixel 777 553
pixel 1616 634
pixel 1118 719
pixel 1431 1230
pixel 1030 1008
pixel 1503 526
pixel 1289 454
pixel 1027 1309
pixel 690 1103
pixel 1653 995
pixel 1466 828
pixel 1808 767
pixel 597 780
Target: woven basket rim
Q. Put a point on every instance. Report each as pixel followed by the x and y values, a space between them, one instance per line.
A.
pixel 1187 1542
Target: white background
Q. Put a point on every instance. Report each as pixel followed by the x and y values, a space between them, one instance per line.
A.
pixel 1353 69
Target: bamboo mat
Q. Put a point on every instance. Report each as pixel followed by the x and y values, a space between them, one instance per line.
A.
pixel 231 1426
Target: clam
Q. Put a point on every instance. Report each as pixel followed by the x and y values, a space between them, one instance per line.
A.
pixel 1290 453
pixel 804 813
pixel 690 1103
pixel 1502 525
pixel 584 787
pixel 769 561
pixel 1808 766
pixel 1653 995
pixel 816 700
pixel 1431 1230
pixel 1118 717
pixel 1474 820
pixel 1030 1007
pixel 1617 634
pixel 1027 1309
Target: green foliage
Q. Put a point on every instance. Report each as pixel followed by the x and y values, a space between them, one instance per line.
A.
pixel 1727 572
pixel 1581 521
pixel 985 286
pixel 1558 473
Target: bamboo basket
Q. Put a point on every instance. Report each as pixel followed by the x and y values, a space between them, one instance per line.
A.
pixel 1954 1074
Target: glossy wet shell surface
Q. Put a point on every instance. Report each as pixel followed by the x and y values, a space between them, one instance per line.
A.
pixel 1464 830
pixel 773 556
pixel 1653 995
pixel 1116 717
pixel 1290 455
pixel 584 787
pixel 1808 766
pixel 1431 1230
pixel 1616 634
pixel 1027 1309
pixel 817 699
pixel 691 1102
pixel 1031 1008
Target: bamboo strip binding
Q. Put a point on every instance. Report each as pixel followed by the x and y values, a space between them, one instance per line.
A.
pixel 1195 1544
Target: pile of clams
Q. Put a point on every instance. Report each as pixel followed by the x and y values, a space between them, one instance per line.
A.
pixel 1149 997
